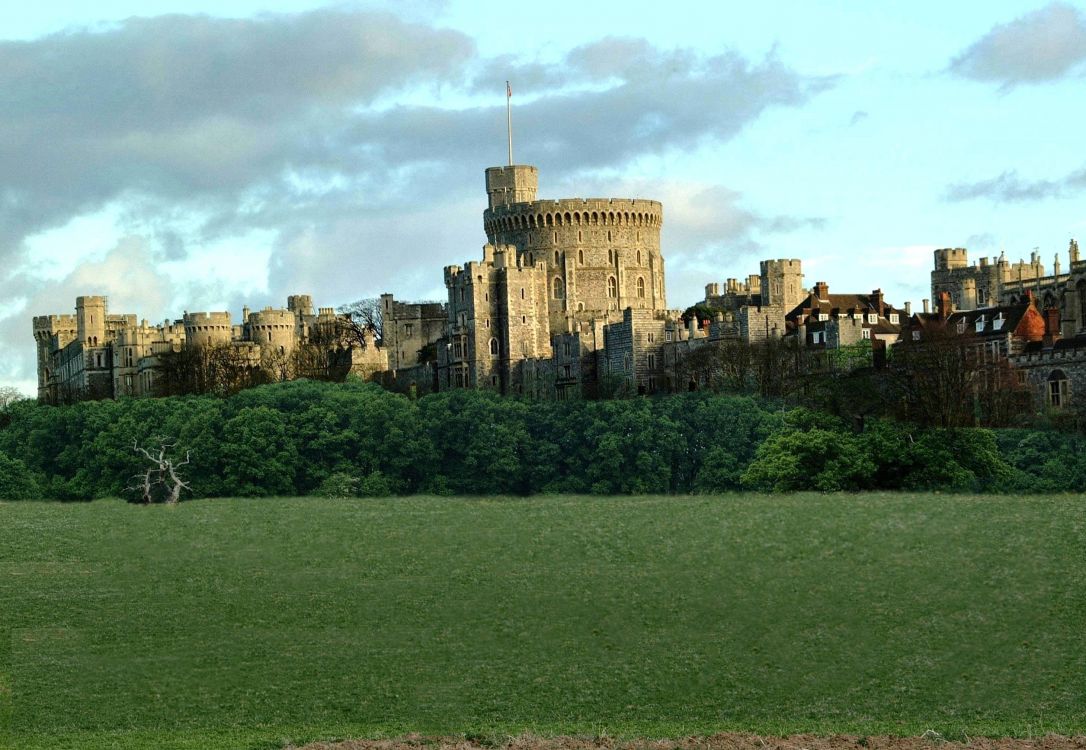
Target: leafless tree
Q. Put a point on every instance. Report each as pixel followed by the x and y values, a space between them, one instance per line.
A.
pixel 9 395
pixel 160 481
pixel 365 313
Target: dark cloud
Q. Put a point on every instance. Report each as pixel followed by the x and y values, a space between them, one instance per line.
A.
pixel 310 127
pixel 1044 45
pixel 1010 188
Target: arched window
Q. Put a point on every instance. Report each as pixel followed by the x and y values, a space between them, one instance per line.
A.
pixel 612 287
pixel 640 287
pixel 1059 389
pixel 557 260
pixel 531 259
pixel 493 347
pixel 610 256
pixel 638 257
pixel 559 288
pixel 580 257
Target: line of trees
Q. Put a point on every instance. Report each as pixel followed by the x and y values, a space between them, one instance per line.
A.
pixel 309 437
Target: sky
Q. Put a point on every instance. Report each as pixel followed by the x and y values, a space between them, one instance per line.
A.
pixel 206 155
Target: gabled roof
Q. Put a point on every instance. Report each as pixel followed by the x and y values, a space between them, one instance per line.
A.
pixel 845 306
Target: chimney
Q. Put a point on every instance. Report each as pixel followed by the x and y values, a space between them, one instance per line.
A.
pixel 876 300
pixel 944 306
pixel 908 309
pixel 926 310
pixel 1052 327
pixel 822 290
pixel 692 326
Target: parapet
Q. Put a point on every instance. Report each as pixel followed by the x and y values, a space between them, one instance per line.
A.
pixel 517 183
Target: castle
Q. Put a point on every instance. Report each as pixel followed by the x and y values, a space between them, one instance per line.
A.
pixel 96 354
pixel 568 300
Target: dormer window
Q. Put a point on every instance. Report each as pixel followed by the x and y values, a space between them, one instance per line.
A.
pixel 893 319
pixel 980 324
pixel 997 322
pixel 961 326
pixel 872 318
pixel 823 317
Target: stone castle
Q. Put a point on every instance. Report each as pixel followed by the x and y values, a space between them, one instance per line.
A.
pixel 567 300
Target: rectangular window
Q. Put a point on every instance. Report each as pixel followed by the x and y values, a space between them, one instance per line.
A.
pixel 409 329
pixel 916 335
pixel 566 348
pixel 652 361
pixel 893 319
pixel 872 318
pixel 667 336
pixel 865 333
pixel 567 371
pixel 823 317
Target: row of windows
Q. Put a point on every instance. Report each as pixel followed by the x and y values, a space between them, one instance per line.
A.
pixel 612 258
pixel 535 221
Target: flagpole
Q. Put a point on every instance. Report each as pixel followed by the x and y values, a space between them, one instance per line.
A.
pixel 509 119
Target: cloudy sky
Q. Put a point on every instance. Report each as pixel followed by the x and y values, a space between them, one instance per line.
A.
pixel 199 155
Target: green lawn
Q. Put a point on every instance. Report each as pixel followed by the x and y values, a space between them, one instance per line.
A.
pixel 247 623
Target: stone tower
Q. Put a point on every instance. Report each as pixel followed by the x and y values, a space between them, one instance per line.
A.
pixel 90 316
pixel 600 255
pixel 782 283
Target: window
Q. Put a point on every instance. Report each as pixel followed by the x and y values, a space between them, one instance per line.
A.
pixel 638 257
pixel 961 326
pixel 916 335
pixel 612 287
pixel 488 322
pixel 823 317
pixel 557 260
pixel 1059 389
pixel 493 347
pixel 865 333
pixel 567 371
pixel 409 329
pixel 873 318
pixel 461 294
pixel 626 362
pixel 652 337
pixel 494 380
pixel 652 361
pixel 893 319
pixel 580 257
pixel 667 335
pixel 997 322
pixel 610 256
pixel 559 288
pixel 640 287
pixel 566 348
pixel 980 324
pixel 522 292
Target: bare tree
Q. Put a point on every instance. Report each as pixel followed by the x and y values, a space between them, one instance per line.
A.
pixel 160 481
pixel 9 395
pixel 365 313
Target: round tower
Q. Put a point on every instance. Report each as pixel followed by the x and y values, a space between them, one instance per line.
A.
pixel 207 329
pixel 273 329
pixel 601 255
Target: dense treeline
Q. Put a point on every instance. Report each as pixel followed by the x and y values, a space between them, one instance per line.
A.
pixel 304 437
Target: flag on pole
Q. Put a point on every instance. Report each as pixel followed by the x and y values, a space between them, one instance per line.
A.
pixel 508 91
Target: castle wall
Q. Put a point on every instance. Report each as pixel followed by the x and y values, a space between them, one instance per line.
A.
pixel 409 329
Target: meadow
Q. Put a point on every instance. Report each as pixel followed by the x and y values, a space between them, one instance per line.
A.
pixel 253 623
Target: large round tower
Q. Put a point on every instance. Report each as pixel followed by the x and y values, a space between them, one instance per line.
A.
pixel 601 255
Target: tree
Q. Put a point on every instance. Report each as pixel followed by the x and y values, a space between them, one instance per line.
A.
pixel 9 395
pixel 366 313
pixel 160 480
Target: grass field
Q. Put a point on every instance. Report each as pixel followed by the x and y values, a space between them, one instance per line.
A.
pixel 247 623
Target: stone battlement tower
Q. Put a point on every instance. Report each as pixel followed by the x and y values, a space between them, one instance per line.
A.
pixel 600 255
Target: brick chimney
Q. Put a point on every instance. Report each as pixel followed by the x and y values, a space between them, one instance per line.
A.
pixel 1052 327
pixel 822 290
pixel 944 306
pixel 876 300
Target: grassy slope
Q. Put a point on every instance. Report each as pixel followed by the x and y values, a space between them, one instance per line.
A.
pixel 234 623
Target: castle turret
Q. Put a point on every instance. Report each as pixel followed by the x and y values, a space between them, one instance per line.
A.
pixel 948 258
pixel 90 315
pixel 782 282
pixel 1074 251
pixel 513 184
pixel 207 328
